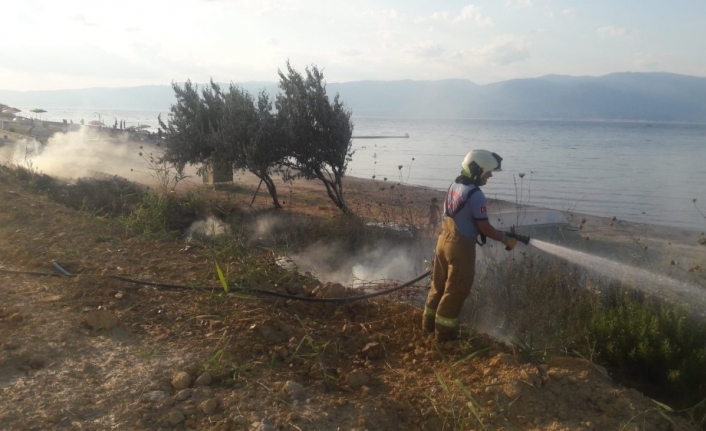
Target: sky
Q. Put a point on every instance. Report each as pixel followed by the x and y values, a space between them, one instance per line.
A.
pixel 50 44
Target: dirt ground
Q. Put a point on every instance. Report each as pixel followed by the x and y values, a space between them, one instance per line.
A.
pixel 94 353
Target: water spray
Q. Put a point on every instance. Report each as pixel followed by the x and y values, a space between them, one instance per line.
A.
pixel 655 284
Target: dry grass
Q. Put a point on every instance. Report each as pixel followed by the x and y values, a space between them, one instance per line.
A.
pixel 252 345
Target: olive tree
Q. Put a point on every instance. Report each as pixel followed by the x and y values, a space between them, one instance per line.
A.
pixel 252 136
pixel 217 128
pixel 318 131
pixel 192 125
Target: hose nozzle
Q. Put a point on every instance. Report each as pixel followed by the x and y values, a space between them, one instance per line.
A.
pixel 521 238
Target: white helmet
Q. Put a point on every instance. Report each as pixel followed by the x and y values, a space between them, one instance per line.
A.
pixel 478 162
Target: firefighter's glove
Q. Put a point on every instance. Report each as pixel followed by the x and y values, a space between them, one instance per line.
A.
pixel 509 241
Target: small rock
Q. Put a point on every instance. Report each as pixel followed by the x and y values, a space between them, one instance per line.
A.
pixel 373 351
pixel 101 319
pixel 15 318
pixel 51 418
pixel 265 425
pixel 183 394
pixel 36 362
pixel 119 295
pixel 154 396
pixel 555 374
pixel 174 418
pixel 502 359
pixel 282 352
pixel 294 390
pixel 527 377
pixel 330 290
pixel 209 406
pixel 193 369
pixel 12 345
pixel 512 390
pixel 181 380
pixel 204 379
pixel 294 289
pixel 357 379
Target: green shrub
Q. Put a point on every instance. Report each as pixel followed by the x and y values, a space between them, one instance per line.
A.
pixel 549 308
pixel 161 216
pixel 653 343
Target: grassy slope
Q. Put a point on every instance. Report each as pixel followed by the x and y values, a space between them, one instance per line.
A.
pixel 253 346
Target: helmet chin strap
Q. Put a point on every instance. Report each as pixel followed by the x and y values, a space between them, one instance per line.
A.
pixel 476 173
pixel 473 177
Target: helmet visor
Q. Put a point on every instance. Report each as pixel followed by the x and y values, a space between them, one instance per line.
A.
pixel 499 160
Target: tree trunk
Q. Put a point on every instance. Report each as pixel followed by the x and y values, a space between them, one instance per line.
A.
pixel 271 188
pixel 334 189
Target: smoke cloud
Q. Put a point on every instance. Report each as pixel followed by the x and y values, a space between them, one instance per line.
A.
pixel 209 228
pixel 83 154
pixel 384 262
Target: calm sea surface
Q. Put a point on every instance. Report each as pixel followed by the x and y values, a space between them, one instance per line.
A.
pixel 648 173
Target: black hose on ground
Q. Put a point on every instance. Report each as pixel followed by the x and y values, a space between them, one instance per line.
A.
pixel 46 274
pixel 65 273
pixel 278 294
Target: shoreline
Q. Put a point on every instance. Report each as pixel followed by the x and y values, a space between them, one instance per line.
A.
pixel 682 213
pixel 634 243
pixel 675 252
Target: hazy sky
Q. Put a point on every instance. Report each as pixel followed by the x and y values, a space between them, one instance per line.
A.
pixel 51 44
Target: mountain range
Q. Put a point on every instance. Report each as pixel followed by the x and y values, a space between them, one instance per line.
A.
pixel 618 96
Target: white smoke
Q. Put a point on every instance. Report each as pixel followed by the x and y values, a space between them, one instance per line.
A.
pixel 266 225
pixel 84 154
pixel 384 262
pixel 209 228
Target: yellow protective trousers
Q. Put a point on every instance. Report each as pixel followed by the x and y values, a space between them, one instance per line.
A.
pixel 452 280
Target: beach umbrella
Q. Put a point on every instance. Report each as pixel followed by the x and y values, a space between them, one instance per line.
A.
pixel 9 111
pixel 38 111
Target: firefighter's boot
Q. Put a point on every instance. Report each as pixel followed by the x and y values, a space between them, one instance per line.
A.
pixel 443 334
pixel 428 321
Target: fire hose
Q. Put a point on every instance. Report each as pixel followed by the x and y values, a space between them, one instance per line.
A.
pixel 280 294
pixel 64 273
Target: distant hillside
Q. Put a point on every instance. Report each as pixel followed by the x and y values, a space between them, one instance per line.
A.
pixel 618 96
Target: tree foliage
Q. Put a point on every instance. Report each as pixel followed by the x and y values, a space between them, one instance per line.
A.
pixel 253 136
pixel 192 122
pixel 318 130
pixel 217 128
pixel 308 134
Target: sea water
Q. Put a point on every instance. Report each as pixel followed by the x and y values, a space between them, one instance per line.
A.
pixel 640 172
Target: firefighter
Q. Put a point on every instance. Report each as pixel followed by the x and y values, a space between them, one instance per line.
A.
pixel 465 218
